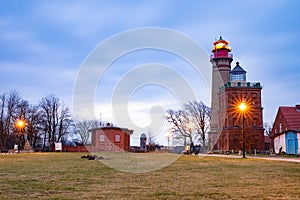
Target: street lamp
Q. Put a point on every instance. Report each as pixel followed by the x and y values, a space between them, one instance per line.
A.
pixel 20 125
pixel 242 108
pixel 190 127
pixel 190 148
pixel 169 135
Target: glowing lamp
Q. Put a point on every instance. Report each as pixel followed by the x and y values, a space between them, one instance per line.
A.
pixel 169 134
pixel 220 45
pixel 20 123
pixel 190 126
pixel 242 106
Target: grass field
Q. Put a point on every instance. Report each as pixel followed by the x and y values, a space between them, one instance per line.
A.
pixel 67 176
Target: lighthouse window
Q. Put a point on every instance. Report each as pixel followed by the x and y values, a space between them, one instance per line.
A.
pixel 238 77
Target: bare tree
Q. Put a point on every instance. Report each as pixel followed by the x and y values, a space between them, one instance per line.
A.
pixel 2 121
pixel 180 124
pixel 268 132
pixel 64 122
pixel 200 116
pixel 192 122
pixel 34 125
pixel 82 129
pixel 268 128
pixel 56 120
pixel 10 112
pixel 13 107
pixel 21 114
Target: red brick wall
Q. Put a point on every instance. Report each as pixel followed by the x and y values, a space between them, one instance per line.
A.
pixel 231 134
pixel 126 142
pixel 75 149
pixel 279 122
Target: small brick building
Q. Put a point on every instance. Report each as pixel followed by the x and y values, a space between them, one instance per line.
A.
pixel 110 139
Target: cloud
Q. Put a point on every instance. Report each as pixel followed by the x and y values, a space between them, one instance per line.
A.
pixel 44 43
pixel 86 19
pixel 35 81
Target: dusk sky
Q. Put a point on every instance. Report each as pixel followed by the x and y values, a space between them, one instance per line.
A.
pixel 44 44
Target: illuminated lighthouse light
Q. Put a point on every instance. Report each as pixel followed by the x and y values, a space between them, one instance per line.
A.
pixel 221 49
pixel 221 45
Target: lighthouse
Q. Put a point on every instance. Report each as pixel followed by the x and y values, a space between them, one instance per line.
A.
pixel 220 59
pixel 230 127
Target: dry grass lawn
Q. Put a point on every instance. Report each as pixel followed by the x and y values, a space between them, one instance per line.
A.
pixel 67 176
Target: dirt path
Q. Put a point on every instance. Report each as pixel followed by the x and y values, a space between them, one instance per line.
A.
pixel 256 157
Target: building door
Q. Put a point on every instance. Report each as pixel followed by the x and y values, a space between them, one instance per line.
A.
pixel 291 147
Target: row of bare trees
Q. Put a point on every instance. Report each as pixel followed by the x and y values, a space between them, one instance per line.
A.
pixel 190 123
pixel 50 121
pixel 46 123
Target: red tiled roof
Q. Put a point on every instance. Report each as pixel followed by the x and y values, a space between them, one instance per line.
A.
pixel 292 117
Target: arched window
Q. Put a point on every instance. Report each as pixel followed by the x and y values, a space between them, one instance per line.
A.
pixel 118 138
pixel 102 138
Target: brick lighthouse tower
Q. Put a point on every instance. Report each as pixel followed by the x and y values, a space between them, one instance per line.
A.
pixel 220 59
pixel 232 129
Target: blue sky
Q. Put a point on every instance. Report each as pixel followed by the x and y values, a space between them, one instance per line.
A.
pixel 44 43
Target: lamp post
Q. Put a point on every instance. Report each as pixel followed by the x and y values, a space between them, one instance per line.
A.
pixel 243 108
pixel 169 135
pixel 190 128
pixel 20 125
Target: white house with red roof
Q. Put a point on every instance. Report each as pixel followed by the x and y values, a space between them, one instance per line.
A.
pixel 286 130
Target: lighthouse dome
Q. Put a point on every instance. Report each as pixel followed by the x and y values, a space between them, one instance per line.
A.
pixel 238 73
